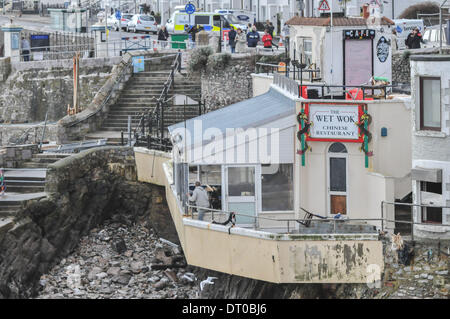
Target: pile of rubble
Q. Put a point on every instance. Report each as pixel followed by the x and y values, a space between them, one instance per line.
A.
pixel 121 262
pixel 426 276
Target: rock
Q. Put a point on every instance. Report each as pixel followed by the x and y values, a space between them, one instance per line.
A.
pixel 442 273
pixel 430 277
pixel 423 275
pixel 122 278
pixel 171 275
pixel 102 275
pixel 129 253
pixel 93 273
pixel 136 266
pixel 163 283
pixel 103 235
pixel 153 279
pixel 113 271
pixel 118 244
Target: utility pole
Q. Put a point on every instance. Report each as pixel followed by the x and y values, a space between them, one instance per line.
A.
pixel 106 28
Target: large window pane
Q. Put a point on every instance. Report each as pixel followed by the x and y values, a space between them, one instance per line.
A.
pixel 277 193
pixel 430 103
pixel 338 175
pixel 241 181
pixel 211 175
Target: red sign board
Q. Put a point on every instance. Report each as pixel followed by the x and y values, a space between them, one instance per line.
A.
pixel 324 6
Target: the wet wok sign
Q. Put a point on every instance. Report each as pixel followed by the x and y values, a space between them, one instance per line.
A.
pixel 334 122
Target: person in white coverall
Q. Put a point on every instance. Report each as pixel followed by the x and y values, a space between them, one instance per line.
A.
pixel 200 197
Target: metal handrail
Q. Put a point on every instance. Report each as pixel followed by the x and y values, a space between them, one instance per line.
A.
pixel 169 83
pixel 326 219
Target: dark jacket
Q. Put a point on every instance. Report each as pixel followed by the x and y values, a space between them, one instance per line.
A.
pixel 252 39
pixel 193 31
pixel 163 35
pixel 413 41
pixel 232 37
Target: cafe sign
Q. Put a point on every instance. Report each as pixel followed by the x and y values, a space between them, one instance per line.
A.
pixel 334 122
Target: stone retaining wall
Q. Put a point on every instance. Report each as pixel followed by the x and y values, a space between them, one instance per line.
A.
pixel 31 89
pixel 26 133
pixel 13 156
pixel 75 127
pixel 83 191
pixel 230 85
pixel 401 68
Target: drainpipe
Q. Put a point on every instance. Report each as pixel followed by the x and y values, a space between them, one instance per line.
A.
pixel 440 26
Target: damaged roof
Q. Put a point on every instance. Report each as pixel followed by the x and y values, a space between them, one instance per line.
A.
pixel 253 112
pixel 337 21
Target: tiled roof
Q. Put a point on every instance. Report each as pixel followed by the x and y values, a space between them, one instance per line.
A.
pixel 337 22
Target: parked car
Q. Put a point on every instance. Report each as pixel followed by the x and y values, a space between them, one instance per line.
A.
pixel 142 22
pixel 126 17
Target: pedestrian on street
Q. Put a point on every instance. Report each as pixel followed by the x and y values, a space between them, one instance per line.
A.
pixel 267 39
pixel 249 27
pixel 193 31
pixel 394 43
pixel 271 29
pixel 201 199
pixel 414 39
pixel 163 36
pixel 285 34
pixel 253 38
pixel 241 40
pixel 232 39
pixel 25 49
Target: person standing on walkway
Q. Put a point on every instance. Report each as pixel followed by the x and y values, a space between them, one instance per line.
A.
pixel 163 35
pixel 394 43
pixel 414 39
pixel 232 39
pixel 241 40
pixel 253 38
pixel 25 49
pixel 200 197
pixel 267 39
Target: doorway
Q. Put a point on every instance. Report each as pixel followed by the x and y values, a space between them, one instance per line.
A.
pixel 358 62
pixel 241 185
pixel 337 158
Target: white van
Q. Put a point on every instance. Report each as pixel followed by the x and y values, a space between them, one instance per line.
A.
pixel 404 28
pixel 243 16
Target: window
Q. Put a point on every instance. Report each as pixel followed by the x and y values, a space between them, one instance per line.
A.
pixel 431 194
pixel 216 21
pixel 241 181
pixel 211 174
pixel 201 19
pixel 430 104
pixel 277 190
pixel 305 49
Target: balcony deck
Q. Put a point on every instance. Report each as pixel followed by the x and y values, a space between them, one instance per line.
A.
pixel 351 254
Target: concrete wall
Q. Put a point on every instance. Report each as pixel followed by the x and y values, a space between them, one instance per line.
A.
pixel 431 149
pixel 35 88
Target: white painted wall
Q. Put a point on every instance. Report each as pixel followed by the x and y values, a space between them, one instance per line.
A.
pixel 432 149
pixel 328 50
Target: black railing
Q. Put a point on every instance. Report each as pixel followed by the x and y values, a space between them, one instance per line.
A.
pixel 150 131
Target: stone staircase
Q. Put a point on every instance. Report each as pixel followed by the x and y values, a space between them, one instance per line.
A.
pixel 141 93
pixel 42 160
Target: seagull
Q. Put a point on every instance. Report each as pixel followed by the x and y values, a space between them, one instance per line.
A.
pixel 207 281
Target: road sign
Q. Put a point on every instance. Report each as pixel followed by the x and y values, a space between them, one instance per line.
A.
pixel 118 15
pixel 324 6
pixel 190 8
